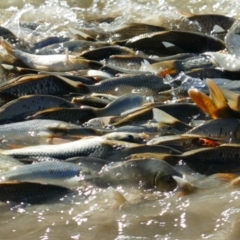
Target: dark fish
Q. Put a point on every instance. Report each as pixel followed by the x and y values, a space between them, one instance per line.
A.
pixel 212 73
pixel 24 106
pixel 72 46
pixel 227 129
pixel 210 23
pixel 134 30
pixel 187 41
pixel 38 84
pixel 182 111
pixel 122 154
pixel 70 115
pixel 222 159
pixel 105 52
pixel 34 193
pixel 48 41
pixel 8 35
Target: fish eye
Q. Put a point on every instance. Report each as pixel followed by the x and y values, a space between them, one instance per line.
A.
pixel 130 137
pixel 169 179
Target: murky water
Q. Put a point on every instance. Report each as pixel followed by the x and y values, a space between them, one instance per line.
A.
pixel 212 212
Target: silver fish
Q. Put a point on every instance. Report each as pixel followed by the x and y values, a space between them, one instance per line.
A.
pixel 42 171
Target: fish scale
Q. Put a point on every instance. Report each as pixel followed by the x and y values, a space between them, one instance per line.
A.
pixel 43 171
pixel 119 85
pixel 89 147
pixel 42 84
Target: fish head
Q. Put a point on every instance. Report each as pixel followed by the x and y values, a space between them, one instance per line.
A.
pixel 164 182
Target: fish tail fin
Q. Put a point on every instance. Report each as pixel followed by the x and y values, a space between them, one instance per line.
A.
pixel 233 99
pixel 215 105
pixel 7 45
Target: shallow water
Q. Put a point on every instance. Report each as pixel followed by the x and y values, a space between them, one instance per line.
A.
pixel 210 213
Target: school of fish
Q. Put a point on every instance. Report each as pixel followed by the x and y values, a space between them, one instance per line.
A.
pixel 142 107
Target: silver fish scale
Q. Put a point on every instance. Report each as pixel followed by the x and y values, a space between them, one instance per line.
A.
pixel 43 170
pixel 31 125
pixel 89 147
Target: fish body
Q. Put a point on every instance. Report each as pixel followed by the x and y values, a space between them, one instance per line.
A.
pixel 190 42
pixel 38 84
pixel 42 171
pixel 93 147
pixel 147 173
pixel 54 63
pixel 18 109
pixel 126 84
pixel 222 159
pixel 227 129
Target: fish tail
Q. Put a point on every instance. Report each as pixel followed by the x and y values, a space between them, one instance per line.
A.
pixel 7 45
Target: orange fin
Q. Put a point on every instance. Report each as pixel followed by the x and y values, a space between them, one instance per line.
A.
pixel 203 101
pixel 216 105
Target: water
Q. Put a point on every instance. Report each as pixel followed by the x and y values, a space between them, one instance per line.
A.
pixel 212 212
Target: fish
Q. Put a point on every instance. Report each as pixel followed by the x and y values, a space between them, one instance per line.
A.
pixel 93 147
pixel 150 84
pixel 73 46
pixel 221 159
pixel 133 30
pixel 124 153
pixel 31 132
pixel 71 115
pixel 58 62
pixel 101 53
pixel 38 84
pixel 48 42
pixel 214 24
pixel 184 142
pixel 147 173
pixel 43 172
pixel 184 41
pixel 225 129
pixel 128 61
pixel 33 193
pixel 20 108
